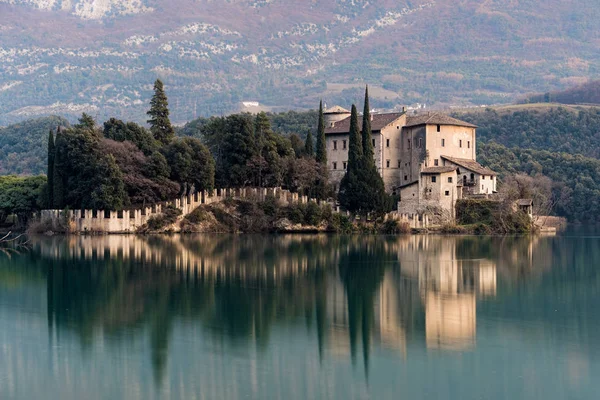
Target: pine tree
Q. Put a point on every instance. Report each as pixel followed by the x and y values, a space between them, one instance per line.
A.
pixel 160 125
pixel 321 143
pixel 308 145
pixel 367 143
pixel 50 172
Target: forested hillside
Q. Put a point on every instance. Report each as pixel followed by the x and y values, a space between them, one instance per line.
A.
pixel 558 129
pixel 587 93
pixel 23 145
pixel 576 178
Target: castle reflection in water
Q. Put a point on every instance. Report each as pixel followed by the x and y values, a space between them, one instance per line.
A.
pixel 360 291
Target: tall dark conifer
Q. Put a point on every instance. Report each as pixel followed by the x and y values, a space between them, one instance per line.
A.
pixel 60 162
pixel 321 155
pixel 351 186
pixel 160 124
pixel 50 172
pixel 355 151
pixel 367 143
pixel 308 145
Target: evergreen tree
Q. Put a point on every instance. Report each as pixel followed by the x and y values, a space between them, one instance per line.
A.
pixel 308 145
pixel 59 165
pixel 375 198
pixel 351 187
pixel 367 143
pixel 50 172
pixel 355 151
pixel 160 125
pixel 321 143
pixel 86 121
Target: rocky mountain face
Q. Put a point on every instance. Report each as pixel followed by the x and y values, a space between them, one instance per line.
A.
pixel 102 56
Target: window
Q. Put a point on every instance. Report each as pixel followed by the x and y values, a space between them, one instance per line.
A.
pixel 443 142
pixel 460 143
pixel 482 177
pixel 436 162
pixel 399 164
pixel 409 144
pixel 439 128
pixel 334 165
pixel 335 145
pixel 433 179
pixel 344 144
pixel 387 163
pixel 405 177
pixel 447 193
pixel 373 141
pixel 345 165
pixel 420 143
pixel 468 144
pixel 387 142
pixel 449 179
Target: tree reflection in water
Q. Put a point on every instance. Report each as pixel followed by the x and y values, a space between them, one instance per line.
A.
pixel 347 290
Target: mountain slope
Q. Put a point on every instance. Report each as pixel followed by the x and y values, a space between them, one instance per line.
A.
pixel 23 146
pixel 56 57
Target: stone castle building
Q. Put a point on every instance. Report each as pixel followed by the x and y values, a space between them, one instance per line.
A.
pixel 428 159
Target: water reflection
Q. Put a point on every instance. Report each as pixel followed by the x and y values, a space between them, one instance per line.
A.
pixel 354 294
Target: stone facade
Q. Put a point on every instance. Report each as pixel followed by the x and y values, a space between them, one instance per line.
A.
pixel 407 148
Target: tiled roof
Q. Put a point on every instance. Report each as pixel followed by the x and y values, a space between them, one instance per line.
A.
pixel 438 170
pixel 336 110
pixel 471 165
pixel 379 122
pixel 435 118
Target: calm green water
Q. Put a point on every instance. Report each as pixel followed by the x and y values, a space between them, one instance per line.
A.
pixel 301 317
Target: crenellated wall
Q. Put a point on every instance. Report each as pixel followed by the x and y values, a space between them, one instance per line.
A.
pixel 128 221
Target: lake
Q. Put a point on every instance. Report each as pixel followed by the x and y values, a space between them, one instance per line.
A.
pixel 301 317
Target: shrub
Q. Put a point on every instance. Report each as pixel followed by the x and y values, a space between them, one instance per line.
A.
pixel 269 206
pixel 393 227
pixel 158 222
pixel 296 214
pixel 341 224
pixel 312 214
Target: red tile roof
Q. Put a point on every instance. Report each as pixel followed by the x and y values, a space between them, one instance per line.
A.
pixel 379 122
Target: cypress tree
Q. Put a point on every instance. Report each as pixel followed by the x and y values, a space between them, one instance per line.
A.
pixel 50 172
pixel 367 143
pixel 60 162
pixel 355 151
pixel 321 144
pixel 160 124
pixel 308 145
pixel 373 197
pixel 352 187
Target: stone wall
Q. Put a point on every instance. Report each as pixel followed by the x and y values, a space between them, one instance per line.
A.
pixel 128 221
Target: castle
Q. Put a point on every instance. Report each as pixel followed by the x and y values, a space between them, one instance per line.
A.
pixel 428 159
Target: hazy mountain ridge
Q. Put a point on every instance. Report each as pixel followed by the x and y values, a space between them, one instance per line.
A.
pixel 214 54
pixel 87 9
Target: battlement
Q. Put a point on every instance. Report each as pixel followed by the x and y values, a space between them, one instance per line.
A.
pixel 128 221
